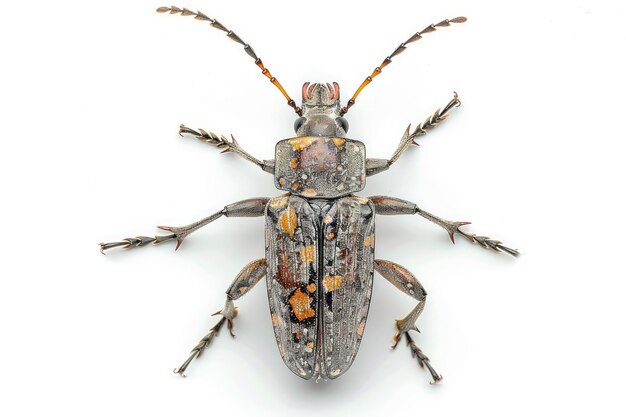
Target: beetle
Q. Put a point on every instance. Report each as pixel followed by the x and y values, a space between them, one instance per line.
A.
pixel 319 235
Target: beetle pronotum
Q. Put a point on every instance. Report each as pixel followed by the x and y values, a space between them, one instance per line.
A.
pixel 319 236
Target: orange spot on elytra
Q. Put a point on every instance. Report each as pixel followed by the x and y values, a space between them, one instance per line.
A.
pixel 369 241
pixel 294 163
pixel 360 328
pixel 295 185
pixel 331 235
pixel 288 220
pixel 279 201
pixel 307 254
pixel 301 305
pixel 332 282
pixel 311 287
pixel 275 319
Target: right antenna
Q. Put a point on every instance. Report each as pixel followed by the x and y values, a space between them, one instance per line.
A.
pixel 398 51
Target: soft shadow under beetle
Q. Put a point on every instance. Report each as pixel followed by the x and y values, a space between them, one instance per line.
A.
pixel 319 236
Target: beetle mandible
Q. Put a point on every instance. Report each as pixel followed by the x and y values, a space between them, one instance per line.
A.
pixel 319 236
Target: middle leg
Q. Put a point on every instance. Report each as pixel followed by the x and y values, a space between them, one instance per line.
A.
pixel 406 282
pixel 253 207
pixel 395 206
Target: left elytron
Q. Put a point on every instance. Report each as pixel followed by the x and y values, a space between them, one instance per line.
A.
pixel 319 236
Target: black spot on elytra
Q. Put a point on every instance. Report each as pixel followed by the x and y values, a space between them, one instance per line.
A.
pixel 329 300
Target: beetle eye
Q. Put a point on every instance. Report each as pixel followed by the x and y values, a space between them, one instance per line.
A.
pixel 298 123
pixel 343 123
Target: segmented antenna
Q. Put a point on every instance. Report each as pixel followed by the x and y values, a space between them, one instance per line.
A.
pixel 398 51
pixel 247 48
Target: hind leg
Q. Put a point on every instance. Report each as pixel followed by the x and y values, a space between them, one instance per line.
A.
pixel 406 282
pixel 245 280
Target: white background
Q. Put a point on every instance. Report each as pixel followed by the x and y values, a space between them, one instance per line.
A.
pixel 92 95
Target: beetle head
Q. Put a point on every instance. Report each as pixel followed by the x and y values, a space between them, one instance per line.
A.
pixel 321 112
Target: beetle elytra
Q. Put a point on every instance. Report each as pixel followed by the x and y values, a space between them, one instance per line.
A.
pixel 319 235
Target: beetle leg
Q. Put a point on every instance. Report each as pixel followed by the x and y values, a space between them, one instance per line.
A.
pixel 247 278
pixel 454 227
pixel 393 206
pixel 229 312
pixel 406 282
pixel 422 359
pixel 253 207
pixel 374 166
pixel 221 142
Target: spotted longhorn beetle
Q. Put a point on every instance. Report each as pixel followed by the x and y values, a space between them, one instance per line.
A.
pixel 319 236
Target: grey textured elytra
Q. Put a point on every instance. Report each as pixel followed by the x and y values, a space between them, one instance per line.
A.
pixel 319 236
pixel 320 256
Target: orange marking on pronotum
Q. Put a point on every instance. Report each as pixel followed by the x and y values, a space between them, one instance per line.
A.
pixel 339 142
pixel 301 305
pixel 301 143
pixel 308 192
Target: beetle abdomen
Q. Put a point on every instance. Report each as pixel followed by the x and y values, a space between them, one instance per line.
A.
pixel 320 264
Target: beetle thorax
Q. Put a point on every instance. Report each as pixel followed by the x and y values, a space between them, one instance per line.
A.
pixel 320 162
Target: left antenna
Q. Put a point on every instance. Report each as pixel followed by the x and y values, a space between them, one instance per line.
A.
pixel 246 47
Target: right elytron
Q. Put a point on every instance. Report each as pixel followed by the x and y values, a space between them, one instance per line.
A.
pixel 319 236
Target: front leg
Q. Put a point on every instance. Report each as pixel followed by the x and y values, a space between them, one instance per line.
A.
pixel 253 207
pixel 374 166
pixel 221 142
pixel 393 206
